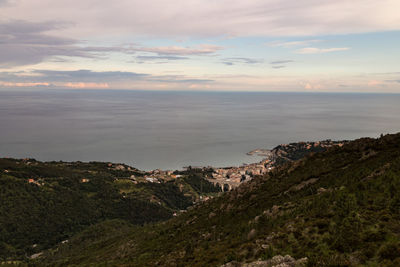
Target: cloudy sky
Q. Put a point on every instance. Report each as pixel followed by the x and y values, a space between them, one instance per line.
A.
pixel 236 45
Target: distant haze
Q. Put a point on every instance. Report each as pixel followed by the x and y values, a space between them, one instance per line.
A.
pixel 169 130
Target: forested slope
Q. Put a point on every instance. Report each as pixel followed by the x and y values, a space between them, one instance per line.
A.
pixel 339 207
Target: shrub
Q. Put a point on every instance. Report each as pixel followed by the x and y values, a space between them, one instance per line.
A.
pixel 390 251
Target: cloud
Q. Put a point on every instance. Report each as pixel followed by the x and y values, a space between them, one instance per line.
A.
pixel 205 18
pixel 76 85
pixel 6 2
pixel 315 50
pixel 178 79
pixel 91 79
pixel 203 49
pixel 23 84
pixel 87 85
pixel 241 60
pixel 155 58
pixel 279 62
pixel 373 83
pixel 279 67
pixel 28 43
pixel 312 86
pixel 292 43
pixel 37 76
pixel 25 43
pixel 392 81
pixel 88 75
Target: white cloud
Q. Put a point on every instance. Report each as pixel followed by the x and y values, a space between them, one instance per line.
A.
pixel 199 18
pixel 82 85
pixel 315 50
pixel 23 84
pixel 292 43
pixel 312 86
pixel 203 49
pixel 373 83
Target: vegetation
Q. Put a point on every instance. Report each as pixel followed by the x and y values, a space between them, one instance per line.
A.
pixel 338 208
pixel 43 204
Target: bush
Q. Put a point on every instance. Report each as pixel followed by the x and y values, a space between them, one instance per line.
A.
pixel 390 251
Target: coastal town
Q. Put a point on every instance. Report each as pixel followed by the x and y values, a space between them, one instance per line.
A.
pixel 228 178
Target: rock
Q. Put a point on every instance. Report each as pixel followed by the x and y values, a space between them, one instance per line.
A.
pixel 207 236
pixel 252 234
pixel 232 264
pixel 276 261
pixel 35 256
pixel 286 261
pixel 275 209
pixel 321 190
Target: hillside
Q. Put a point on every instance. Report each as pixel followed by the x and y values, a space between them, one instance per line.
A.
pixel 340 207
pixel 45 203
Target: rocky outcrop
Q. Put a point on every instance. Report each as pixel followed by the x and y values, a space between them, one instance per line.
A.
pixel 277 261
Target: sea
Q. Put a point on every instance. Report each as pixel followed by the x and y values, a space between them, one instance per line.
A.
pixel 171 130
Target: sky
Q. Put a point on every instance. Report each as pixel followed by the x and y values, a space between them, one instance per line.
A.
pixel 206 45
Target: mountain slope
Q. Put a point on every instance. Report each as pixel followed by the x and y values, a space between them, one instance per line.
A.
pixel 44 203
pixel 340 207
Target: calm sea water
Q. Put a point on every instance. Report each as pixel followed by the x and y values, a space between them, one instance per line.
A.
pixel 169 130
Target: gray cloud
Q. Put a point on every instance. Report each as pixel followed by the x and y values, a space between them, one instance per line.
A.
pixel 27 43
pixel 24 43
pixel 160 57
pixel 51 77
pixel 5 2
pixel 178 79
pixel 18 55
pixel 157 59
pixel 70 76
pixel 280 62
pixel 241 60
pixel 88 75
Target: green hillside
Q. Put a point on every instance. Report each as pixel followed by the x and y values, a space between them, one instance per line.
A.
pixel 338 208
pixel 45 203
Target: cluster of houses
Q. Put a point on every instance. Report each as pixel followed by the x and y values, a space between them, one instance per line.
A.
pixel 157 176
pixel 154 176
pixel 230 177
